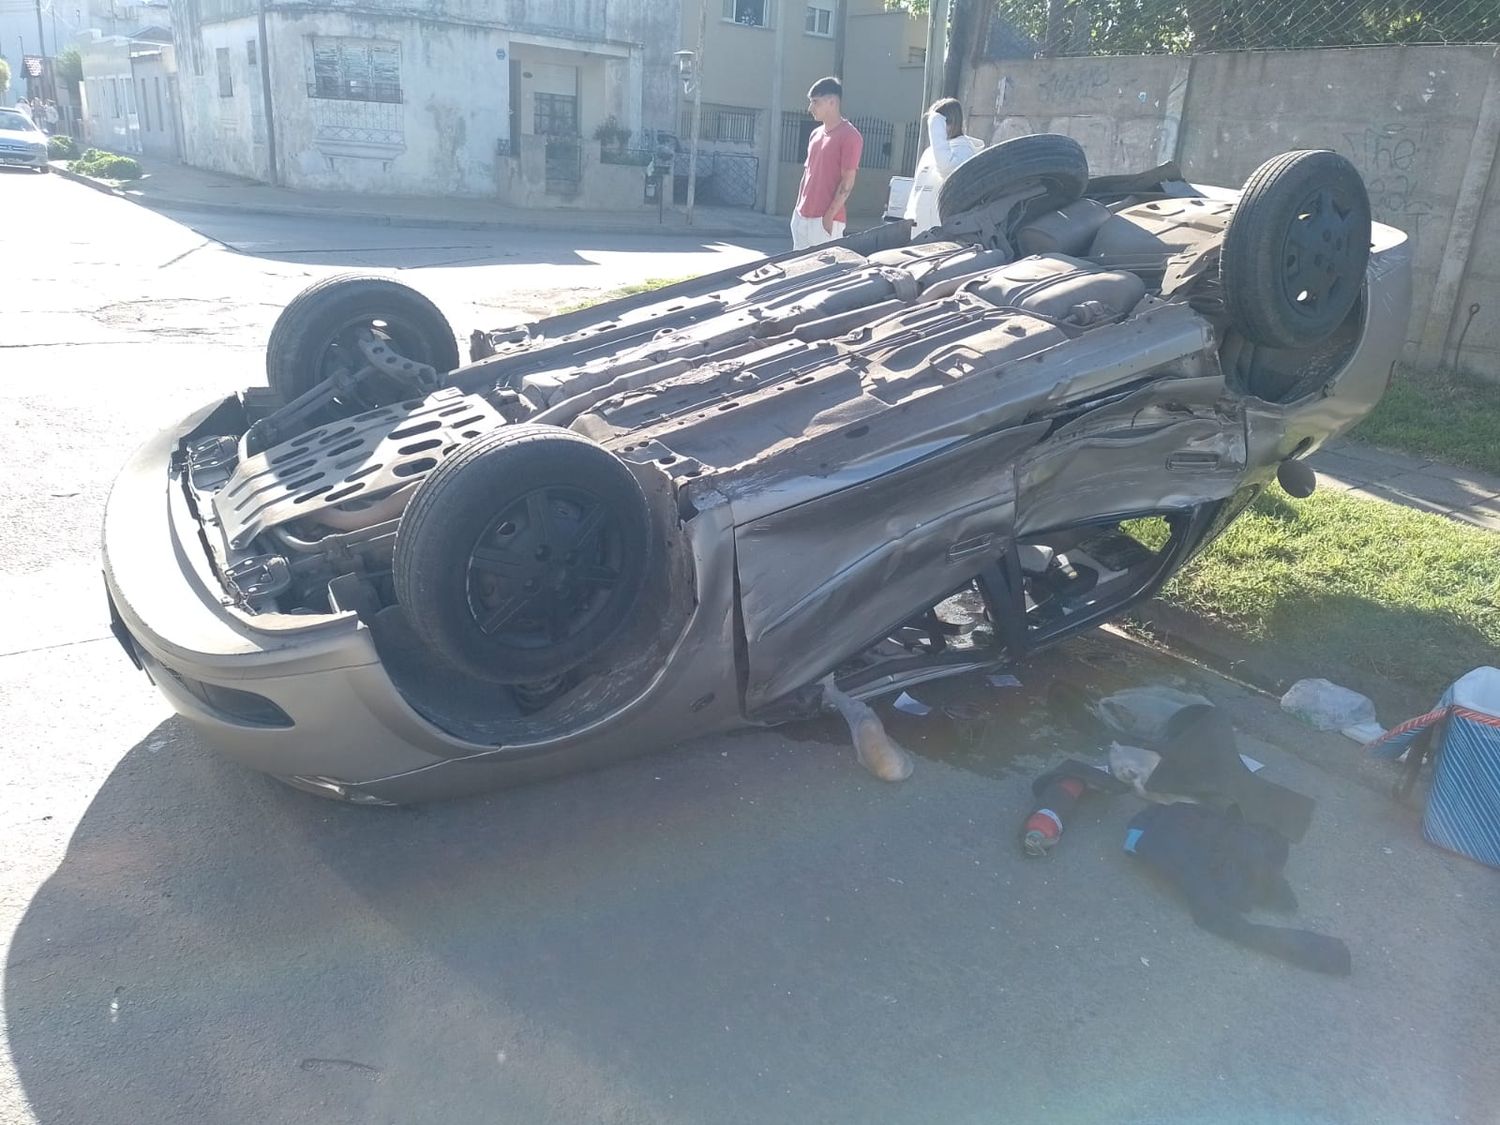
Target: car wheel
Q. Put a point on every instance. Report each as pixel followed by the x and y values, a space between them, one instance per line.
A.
pixel 1055 162
pixel 315 334
pixel 523 554
pixel 1294 256
pixel 44 169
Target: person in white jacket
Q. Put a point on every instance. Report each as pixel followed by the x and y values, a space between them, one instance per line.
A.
pixel 947 148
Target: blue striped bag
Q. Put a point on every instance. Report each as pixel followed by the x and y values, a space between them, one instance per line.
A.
pixel 1463 731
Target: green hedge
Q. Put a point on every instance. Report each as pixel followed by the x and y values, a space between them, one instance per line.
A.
pixel 102 165
pixel 61 148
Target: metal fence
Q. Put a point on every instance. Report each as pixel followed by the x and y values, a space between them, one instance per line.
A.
pixel 879 137
pixel 1030 28
pixel 911 147
pixel 729 179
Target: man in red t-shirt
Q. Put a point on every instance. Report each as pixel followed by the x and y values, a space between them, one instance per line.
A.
pixel 833 153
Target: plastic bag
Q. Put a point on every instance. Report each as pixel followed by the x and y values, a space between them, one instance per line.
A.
pixel 1142 714
pixel 1327 706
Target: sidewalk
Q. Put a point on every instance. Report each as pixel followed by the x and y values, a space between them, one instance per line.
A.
pixel 177 187
pixel 1466 495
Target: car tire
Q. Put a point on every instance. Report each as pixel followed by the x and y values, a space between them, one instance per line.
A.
pixel 565 533
pixel 1056 161
pixel 44 169
pixel 1295 254
pixel 308 336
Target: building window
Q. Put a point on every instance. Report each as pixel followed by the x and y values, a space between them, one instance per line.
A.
pixel 819 21
pixel 355 70
pixel 226 80
pixel 726 123
pixel 250 53
pixel 556 115
pixel 916 56
pixel 751 13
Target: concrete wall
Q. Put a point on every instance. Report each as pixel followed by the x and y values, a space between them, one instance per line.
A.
pixel 1419 122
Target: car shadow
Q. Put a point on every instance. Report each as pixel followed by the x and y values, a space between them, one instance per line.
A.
pixel 691 937
pixel 748 929
pixel 333 241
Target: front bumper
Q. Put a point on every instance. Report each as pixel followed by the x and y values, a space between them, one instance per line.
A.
pixel 307 698
pixel 339 714
pixel 12 158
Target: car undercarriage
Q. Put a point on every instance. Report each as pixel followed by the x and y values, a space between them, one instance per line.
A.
pixel 881 460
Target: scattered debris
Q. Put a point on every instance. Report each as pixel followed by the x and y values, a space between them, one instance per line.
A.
pixel 1325 705
pixel 876 750
pixel 1057 792
pixel 1142 714
pixel 1197 761
pixel 1002 680
pixel 911 705
pixel 1225 867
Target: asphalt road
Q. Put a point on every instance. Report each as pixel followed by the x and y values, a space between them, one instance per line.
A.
pixel 744 930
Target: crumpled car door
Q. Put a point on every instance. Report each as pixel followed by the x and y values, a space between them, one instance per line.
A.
pixel 1174 444
pixel 826 578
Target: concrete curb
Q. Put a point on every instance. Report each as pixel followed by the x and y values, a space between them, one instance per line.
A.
pixel 539 220
pixel 61 169
pixel 544 221
pixel 1271 669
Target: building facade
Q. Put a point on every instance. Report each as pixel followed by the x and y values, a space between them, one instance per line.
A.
pixel 129 92
pixel 487 98
pixel 760 57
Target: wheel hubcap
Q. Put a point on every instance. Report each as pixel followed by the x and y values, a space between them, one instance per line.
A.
pixel 544 567
pixel 1319 252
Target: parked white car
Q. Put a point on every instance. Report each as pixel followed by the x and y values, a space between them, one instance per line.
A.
pixel 22 144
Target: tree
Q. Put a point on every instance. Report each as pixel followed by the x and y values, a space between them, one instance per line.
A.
pixel 70 66
pixel 4 75
pixel 1129 27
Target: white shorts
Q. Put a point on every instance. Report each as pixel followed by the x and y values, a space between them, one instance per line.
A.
pixel 807 232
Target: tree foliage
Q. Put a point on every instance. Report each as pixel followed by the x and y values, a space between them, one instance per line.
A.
pixel 1123 27
pixel 4 74
pixel 70 66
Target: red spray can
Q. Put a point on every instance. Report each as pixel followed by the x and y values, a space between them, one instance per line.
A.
pixel 1044 826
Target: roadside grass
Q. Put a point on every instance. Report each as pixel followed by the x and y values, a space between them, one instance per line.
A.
pixel 1451 417
pixel 623 291
pixel 1353 583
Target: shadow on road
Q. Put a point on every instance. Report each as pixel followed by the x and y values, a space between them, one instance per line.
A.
pixel 747 930
pixel 333 241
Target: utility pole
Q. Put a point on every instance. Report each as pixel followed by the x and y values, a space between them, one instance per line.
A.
pixel 264 58
pixel 774 111
pixel 937 41
pixel 42 49
pixel 697 109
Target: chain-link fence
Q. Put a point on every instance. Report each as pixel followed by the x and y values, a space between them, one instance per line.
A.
pixel 1030 28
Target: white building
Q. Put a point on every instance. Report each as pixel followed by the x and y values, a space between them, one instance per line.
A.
pixel 494 98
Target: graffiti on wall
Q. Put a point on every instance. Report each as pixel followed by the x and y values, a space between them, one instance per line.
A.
pixel 1393 158
pixel 1074 84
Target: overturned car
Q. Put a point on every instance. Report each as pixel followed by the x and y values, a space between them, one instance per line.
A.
pixel 390 577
